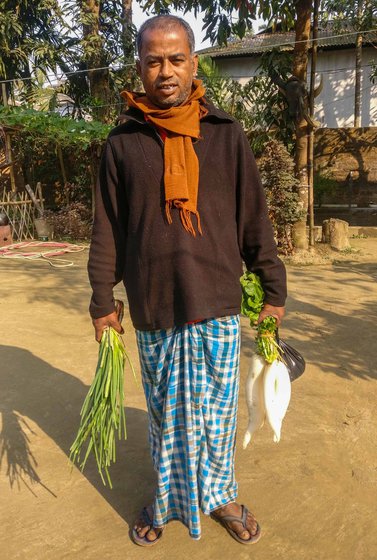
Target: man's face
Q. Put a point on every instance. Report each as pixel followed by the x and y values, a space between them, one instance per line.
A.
pixel 166 66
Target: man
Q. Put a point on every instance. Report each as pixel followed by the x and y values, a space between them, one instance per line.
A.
pixel 179 206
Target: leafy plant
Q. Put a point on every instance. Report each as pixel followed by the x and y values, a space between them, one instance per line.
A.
pixel 255 104
pixel 52 128
pixel 277 173
pixel 251 306
pixel 228 94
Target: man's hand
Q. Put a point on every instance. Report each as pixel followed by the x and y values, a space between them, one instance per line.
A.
pixel 271 311
pixel 108 321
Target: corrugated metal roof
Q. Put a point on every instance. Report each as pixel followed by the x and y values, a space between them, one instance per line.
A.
pixel 266 41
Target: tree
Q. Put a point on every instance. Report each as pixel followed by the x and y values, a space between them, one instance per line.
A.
pixel 128 34
pixel 256 105
pixel 90 41
pixel 103 43
pixel 299 70
pixel 95 56
pixel 224 18
pixel 30 41
pixel 30 38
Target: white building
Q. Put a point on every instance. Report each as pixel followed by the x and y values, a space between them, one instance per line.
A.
pixel 334 107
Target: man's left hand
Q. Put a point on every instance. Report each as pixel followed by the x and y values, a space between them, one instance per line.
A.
pixel 272 311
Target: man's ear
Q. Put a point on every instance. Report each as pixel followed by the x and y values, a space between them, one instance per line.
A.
pixel 138 67
pixel 195 61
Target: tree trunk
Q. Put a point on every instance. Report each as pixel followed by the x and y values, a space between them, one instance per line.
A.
pixel 96 58
pixel 127 39
pixel 300 65
pixel 358 59
pixel 313 67
pixel 128 75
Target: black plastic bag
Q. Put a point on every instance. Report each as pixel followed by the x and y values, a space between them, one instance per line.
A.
pixel 292 358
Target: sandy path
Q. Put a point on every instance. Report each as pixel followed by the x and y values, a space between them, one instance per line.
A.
pixel 314 493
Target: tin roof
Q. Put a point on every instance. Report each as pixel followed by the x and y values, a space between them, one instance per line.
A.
pixel 328 38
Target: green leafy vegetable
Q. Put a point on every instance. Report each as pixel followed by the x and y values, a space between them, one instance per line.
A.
pixel 266 340
pixel 102 414
pixel 252 296
pixel 251 306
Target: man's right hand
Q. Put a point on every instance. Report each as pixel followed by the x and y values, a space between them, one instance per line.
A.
pixel 108 321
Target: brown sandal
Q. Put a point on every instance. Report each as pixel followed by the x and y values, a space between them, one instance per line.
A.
pixel 228 518
pixel 143 541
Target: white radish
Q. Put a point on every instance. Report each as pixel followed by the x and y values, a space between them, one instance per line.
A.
pixel 277 394
pixel 254 397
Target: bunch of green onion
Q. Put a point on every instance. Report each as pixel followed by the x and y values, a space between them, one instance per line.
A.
pixel 251 306
pixel 102 414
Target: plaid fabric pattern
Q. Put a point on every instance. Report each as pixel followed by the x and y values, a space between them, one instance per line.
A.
pixel 191 381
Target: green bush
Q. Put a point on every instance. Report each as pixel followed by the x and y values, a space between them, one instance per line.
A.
pixel 276 167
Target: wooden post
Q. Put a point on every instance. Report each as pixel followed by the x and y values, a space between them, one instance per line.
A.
pixel 39 194
pixel 310 127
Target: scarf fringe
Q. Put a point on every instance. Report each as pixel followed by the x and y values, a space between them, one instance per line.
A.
pixel 168 206
pixel 185 216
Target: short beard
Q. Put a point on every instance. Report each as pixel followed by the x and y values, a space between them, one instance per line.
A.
pixel 179 101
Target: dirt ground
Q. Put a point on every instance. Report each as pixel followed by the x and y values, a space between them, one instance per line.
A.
pixel 314 493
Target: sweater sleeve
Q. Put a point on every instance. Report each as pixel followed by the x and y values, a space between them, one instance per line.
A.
pixel 107 248
pixel 255 233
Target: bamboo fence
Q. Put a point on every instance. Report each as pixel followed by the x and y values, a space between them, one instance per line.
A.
pixel 20 209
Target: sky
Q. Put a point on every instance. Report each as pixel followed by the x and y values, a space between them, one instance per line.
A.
pixel 138 17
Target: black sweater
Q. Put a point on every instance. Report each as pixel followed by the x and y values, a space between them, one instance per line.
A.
pixel 172 278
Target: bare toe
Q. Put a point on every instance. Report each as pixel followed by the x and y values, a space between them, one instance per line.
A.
pixel 144 525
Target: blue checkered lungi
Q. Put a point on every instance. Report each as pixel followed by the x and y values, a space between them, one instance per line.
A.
pixel 191 380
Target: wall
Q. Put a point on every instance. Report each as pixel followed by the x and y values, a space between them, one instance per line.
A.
pixel 334 107
pixel 341 151
pixel 335 104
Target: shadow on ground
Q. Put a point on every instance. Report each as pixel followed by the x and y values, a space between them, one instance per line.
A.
pixel 32 389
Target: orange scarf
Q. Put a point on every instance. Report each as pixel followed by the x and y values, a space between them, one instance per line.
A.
pixel 181 166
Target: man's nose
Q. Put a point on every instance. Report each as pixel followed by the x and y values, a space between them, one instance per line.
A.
pixel 166 69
